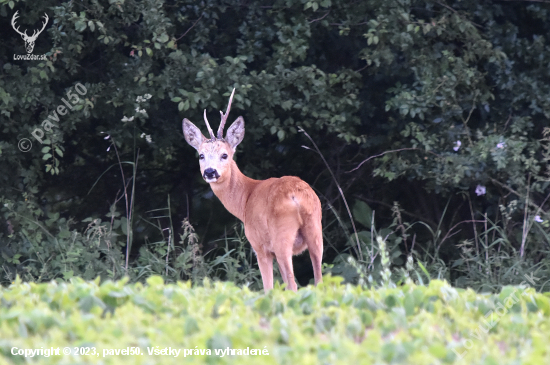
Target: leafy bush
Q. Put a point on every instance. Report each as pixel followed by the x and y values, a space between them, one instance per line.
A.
pixel 440 107
pixel 53 249
pixel 331 323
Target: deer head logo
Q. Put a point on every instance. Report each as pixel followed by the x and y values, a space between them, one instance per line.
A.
pixel 29 40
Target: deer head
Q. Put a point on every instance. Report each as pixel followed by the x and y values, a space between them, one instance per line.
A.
pixel 29 40
pixel 216 152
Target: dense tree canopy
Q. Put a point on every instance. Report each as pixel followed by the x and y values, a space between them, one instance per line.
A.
pixel 433 114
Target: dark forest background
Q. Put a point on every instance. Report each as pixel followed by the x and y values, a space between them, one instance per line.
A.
pixel 432 116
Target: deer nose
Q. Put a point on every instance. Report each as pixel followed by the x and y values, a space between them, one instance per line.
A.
pixel 210 174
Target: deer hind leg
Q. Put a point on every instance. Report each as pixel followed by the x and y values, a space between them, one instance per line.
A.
pixel 313 237
pixel 283 246
pixel 287 271
pixel 265 262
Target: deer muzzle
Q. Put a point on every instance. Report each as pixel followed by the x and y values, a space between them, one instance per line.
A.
pixel 210 175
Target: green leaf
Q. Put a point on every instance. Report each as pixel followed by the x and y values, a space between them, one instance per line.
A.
pixel 80 25
pixel 154 280
pixel 424 270
pixel 163 38
pixel 123 225
pixel 409 304
pixel 438 350
pixel 191 326
pixel 362 213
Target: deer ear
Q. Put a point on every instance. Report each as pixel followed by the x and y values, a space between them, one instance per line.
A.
pixel 192 134
pixel 235 133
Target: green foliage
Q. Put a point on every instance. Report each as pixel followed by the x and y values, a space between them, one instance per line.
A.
pixel 158 62
pixel 437 100
pixel 488 262
pixel 330 323
pixel 54 249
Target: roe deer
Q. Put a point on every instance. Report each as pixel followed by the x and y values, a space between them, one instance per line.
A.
pixel 281 216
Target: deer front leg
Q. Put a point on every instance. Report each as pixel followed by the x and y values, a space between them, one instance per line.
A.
pixel 265 262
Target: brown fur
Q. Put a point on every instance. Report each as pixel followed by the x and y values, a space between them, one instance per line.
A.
pixel 281 216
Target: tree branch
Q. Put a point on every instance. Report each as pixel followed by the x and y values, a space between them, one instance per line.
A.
pixel 318 19
pixel 386 152
pixel 187 31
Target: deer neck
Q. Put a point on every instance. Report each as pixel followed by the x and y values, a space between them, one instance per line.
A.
pixel 235 191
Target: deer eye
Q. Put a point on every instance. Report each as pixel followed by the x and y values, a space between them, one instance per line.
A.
pixel 224 156
pixel 201 157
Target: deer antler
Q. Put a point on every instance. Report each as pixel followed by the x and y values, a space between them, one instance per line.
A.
pixel 208 126
pixel 15 16
pixel 24 34
pixel 224 116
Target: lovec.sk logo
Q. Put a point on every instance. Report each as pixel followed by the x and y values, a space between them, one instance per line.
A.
pixel 29 40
